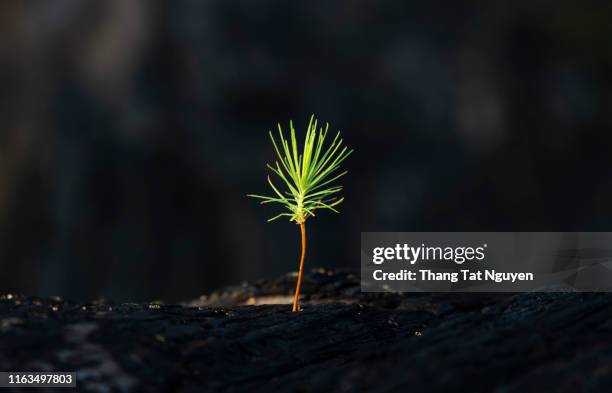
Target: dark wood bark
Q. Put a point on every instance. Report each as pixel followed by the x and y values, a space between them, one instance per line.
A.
pixel 343 341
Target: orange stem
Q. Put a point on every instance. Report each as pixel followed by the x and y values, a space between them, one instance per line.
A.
pixel 299 280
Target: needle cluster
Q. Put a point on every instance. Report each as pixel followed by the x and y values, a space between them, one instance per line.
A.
pixel 307 172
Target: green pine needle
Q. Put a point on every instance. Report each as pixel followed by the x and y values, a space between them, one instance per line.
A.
pixel 307 172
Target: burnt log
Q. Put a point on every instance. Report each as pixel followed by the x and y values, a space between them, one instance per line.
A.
pixel 234 340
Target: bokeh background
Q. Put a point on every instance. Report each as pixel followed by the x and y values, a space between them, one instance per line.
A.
pixel 130 132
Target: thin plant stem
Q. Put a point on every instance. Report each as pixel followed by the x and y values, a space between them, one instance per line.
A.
pixel 299 279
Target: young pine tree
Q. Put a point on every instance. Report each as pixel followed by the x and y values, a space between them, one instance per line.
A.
pixel 308 173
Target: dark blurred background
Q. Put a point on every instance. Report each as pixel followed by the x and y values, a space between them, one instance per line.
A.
pixel 132 130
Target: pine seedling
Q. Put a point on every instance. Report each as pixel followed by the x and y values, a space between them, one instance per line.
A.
pixel 308 174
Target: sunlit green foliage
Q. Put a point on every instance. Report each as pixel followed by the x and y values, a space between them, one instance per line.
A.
pixel 307 172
